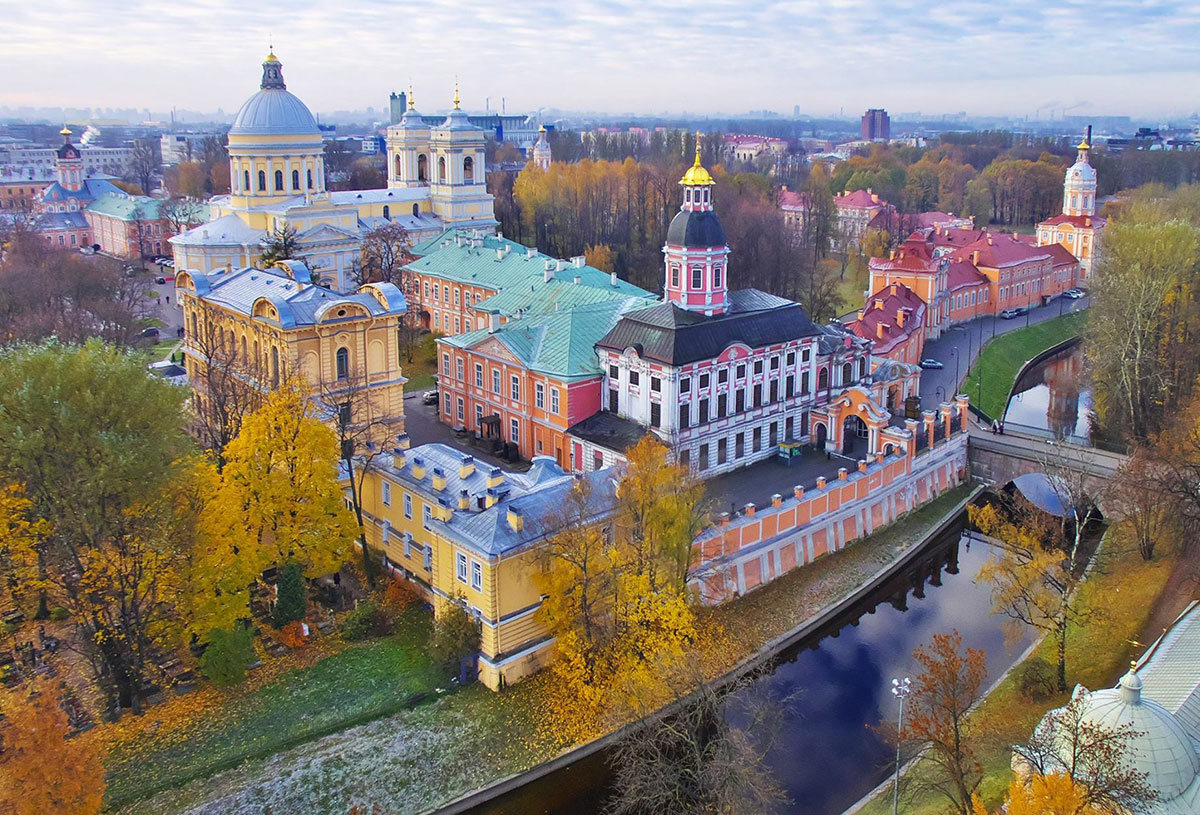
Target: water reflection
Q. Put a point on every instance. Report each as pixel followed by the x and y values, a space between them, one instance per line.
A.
pixel 1051 396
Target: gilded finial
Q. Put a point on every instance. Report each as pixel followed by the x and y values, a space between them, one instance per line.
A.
pixel 456 100
pixel 697 164
pixel 411 104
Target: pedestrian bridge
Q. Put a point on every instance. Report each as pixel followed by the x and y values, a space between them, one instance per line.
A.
pixel 998 459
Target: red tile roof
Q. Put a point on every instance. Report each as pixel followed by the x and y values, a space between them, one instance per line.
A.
pixel 1060 255
pixel 793 199
pixel 858 198
pixel 910 256
pixel 1078 221
pixel 1001 250
pixel 883 309
pixel 962 273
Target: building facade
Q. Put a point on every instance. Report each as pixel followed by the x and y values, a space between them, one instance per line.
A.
pixel 1078 228
pixel 876 125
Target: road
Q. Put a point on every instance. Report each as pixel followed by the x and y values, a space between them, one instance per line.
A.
pixel 958 347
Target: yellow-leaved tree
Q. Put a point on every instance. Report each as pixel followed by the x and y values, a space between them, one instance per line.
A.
pixel 41 770
pixel 277 501
pixel 1054 794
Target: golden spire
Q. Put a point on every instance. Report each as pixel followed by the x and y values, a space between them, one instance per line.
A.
pixel 456 100
pixel 411 104
pixel 697 176
pixel 66 131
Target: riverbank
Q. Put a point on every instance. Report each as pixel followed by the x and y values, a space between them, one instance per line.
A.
pixel 1004 355
pixel 467 739
pixel 1121 599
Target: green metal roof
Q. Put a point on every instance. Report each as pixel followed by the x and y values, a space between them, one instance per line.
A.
pixel 122 206
pixel 561 344
pixel 559 293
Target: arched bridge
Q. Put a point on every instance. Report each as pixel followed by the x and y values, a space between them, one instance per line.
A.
pixel 998 459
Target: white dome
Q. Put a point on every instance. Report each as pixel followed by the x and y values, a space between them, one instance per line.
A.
pixel 273 111
pixel 1161 748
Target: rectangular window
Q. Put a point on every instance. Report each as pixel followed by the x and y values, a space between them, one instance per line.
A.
pixel 479 417
pixel 458 369
pixel 722 405
pixel 496 381
pixel 702 463
pixel 554 401
pixel 685 458
pixel 613 373
pixel 476 575
pixel 705 380
pixel 757 439
pixel 426 516
pixel 456 297
pixel 514 431
pixel 387 494
pixel 446 293
pixel 461 410
pixel 514 389
pixel 774 434
pixel 478 375
pixel 597 461
pixel 613 401
pixel 790 387
pixel 774 391
pixel 789 427
pixel 457 325
pixel 722 376
pixel 674 277
pixel 446 403
pixel 446 364
pixel 436 293
pixel 408 506
pixel 703 411
pixel 741 372
pixel 722 451
pixel 539 396
pixel 656 384
pixel 758 366
pixel 774 363
pixel 461 566
pixel 791 358
pixel 685 411
pixel 804 355
pixel 685 385
pixel 697 277
pixel 739 401
pixel 758 394
pixel 804 383
pixel 634 378
pixel 739 445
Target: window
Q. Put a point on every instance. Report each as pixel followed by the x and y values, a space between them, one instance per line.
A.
pixel 309 179
pixel 757 439
pixel 457 325
pixel 461 566
pixel 758 392
pixel 478 375
pixel 741 372
pixel 343 362
pixel 847 373
pixel 426 289
pixel 684 415
pixel 685 385
pixel 655 414
pixel 514 431
pixel 716 277
pixel 722 451
pixel 262 181
pixel 422 167
pixel 446 365
pixel 722 376
pixel 703 411
pixel 437 294
pixel 426 516
pixel 597 460
pixel 697 277
pixel 739 402
pixel 458 368
pixel 774 391
pixel 822 379
pixel 514 389
pixel 408 506
pixel 758 366
pixel 739 445
pixel 245 181
pixel 539 395
pixel 387 494
pixel 456 297
pixel 804 356
pixel 674 277
pixel 774 363
pixel 554 400
pixel 790 387
pixel 468 169
pixel 446 404
pixel 442 169
pixel 496 381
pixel 461 413
pixel 613 401
pixel 685 458
pixel 296 183
pixel 634 378
pixel 791 358
pixel 704 381
pixel 722 405
pixel 613 372
pixel 703 462
pixel 279 180
pixel 344 415
pixel 476 568
pixel 774 434
pixel 446 294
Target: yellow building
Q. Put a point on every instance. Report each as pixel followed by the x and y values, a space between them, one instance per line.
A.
pixel 469 533
pixel 277 180
pixel 270 322
pixel 1078 227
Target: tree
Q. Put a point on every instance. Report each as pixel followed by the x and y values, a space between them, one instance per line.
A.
pixel 145 162
pixel 291 598
pixel 281 243
pixel 600 256
pixel 1054 794
pixel 1136 498
pixel 141 232
pixel 188 179
pixel 229 654
pixel 455 635
pixel 339 158
pixel 214 159
pixel 384 253
pixel 97 447
pixel 41 770
pixel 1069 744
pixel 950 684
pixel 181 213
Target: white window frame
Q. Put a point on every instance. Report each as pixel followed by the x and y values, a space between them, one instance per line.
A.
pixel 554 401
pixel 387 493
pixel 460 567
pixel 408 506
pixel 476 575
pixel 539 395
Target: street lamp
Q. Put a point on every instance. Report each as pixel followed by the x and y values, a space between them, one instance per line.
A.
pixel 900 689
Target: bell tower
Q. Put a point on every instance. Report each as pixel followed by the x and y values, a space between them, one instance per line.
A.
pixel 696 252
pixel 408 149
pixel 1079 188
pixel 69 163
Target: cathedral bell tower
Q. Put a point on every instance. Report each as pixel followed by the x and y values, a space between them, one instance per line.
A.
pixel 696 252
pixel 69 164
pixel 1079 187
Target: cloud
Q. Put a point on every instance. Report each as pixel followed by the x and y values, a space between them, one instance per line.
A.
pixel 616 55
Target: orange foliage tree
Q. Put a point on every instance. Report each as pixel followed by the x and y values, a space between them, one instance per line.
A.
pixel 41 770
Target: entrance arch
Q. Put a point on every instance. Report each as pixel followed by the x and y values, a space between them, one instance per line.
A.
pixel 854 434
pixel 821 434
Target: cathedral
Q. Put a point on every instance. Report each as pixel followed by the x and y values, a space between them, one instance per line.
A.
pixel 436 181
pixel 1078 228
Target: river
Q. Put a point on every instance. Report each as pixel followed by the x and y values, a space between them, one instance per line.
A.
pixel 827 756
pixel 1050 397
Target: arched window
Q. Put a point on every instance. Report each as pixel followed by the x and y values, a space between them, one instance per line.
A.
pixel 398 172
pixel 262 181
pixel 343 363
pixel 279 180
pixel 244 357
pixel 716 277
pixel 309 179
pixel 442 169
pixel 245 181
pixel 847 373
pixel 468 169
pixel 295 179
pixel 416 210
pixel 862 367
pixel 195 332
pixel 274 367
pixel 387 212
pixel 422 167
pixel 823 379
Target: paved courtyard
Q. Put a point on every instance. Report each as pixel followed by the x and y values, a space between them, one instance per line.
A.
pixel 421 423
pixel 756 484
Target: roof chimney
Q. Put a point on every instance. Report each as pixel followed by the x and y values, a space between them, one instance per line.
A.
pixel 548 270
pixel 493 322
pixel 975 258
pixel 531 252
pixel 895 288
pixel 861 313
pixel 578 261
pixel 900 317
pixel 612 278
pixel 562 264
pixel 880 328
pixel 878 303
pixel 578 280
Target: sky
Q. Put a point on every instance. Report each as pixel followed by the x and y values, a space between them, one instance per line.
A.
pixel 1017 57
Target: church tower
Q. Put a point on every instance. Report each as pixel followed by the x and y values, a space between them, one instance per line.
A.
pixel 457 181
pixel 69 163
pixel 541 150
pixel 408 150
pixel 696 252
pixel 1079 189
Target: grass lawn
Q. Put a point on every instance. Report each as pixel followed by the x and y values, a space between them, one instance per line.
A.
pixel 1122 598
pixel 198 734
pixel 850 290
pixel 421 370
pixel 1004 355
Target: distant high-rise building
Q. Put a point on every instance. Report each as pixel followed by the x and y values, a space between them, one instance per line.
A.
pixel 398 103
pixel 876 126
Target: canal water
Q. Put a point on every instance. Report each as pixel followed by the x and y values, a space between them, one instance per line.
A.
pixel 1051 397
pixel 826 755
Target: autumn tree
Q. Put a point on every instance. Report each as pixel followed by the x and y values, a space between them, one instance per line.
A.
pixel 600 256
pixel 214 159
pixel 97 447
pixel 281 243
pixel 278 499
pixel 1137 500
pixel 938 722
pixel 384 253
pixel 187 179
pixel 41 770
pixel 1054 794
pixel 145 162
pixel 1096 759
pixel 181 213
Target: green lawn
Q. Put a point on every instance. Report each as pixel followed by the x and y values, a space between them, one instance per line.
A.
pixel 356 685
pixel 1004 355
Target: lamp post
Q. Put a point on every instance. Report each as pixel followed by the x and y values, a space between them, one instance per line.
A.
pixel 900 689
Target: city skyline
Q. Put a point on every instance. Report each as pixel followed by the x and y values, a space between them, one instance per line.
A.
pixel 1096 58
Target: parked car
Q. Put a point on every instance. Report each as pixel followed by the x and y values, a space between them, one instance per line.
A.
pixel 1010 313
pixel 429 397
pixel 932 364
pixel 1073 294
pixel 150 333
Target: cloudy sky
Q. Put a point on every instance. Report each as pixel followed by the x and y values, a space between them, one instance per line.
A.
pixel 1139 57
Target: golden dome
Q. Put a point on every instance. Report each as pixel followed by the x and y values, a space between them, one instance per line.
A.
pixel 697 176
pixel 271 57
pixel 66 131
pixel 1083 145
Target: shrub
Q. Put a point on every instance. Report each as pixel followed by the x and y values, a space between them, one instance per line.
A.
pixel 368 620
pixel 400 596
pixel 290 599
pixel 228 655
pixel 292 635
pixel 1036 680
pixel 455 636
pixel 58 614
